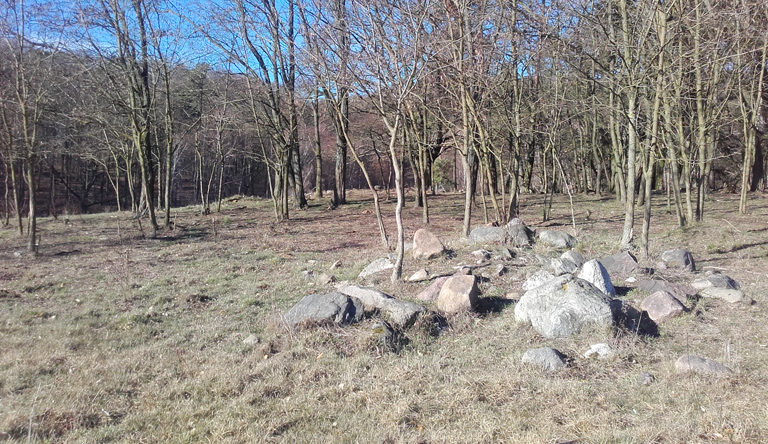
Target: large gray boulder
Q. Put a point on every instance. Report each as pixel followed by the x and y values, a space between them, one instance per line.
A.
pixel 488 235
pixel 426 245
pixel 573 256
pixel 518 234
pixel 557 239
pixel 318 308
pixel 563 306
pixel 459 293
pixel 679 258
pixel 401 313
pixel 562 266
pixel 594 273
pixel 515 233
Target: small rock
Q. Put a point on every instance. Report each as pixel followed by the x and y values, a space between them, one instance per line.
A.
pixel 18 253
pixel 426 245
pixel 430 293
pixel 421 275
pixel 308 275
pixel 335 265
pixel 573 256
pixel 623 263
pixel 661 306
pixel 463 271
pixel 595 273
pixel 251 340
pixel 376 266
pixel 601 351
pixel 500 270
pixel 325 279
pixel 538 279
pixel 715 280
pixel 562 266
pixel 630 280
pixel 725 294
pixel 702 366
pixel 503 254
pixel 481 254
pixel 679 258
pixel 458 293
pixel 546 358
pixel 645 378
pixel 379 336
pixel 557 239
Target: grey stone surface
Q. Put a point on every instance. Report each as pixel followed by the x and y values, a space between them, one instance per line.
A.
pixel 702 366
pixel 679 291
pixel 426 245
pixel 622 262
pixel 573 256
pixel 332 307
pixel 401 313
pixel 376 266
pixel 251 340
pixel 538 279
pixel 515 233
pixel 503 253
pixel 594 273
pixel 430 293
pixel 563 306
pixel 661 306
pixel 715 280
pixel 557 239
pixel 481 254
pixel 518 234
pixel 679 258
pixel 645 378
pixel 725 294
pixel 458 293
pixel 488 235
pixel 561 266
pixel 546 358
pixel 420 275
pixel 500 270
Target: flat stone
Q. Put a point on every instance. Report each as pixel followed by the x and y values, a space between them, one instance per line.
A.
pixel 594 273
pixel 679 258
pixel 546 358
pixel 332 307
pixel 661 306
pixel 725 294
pixel 622 262
pixel 376 266
pixel 481 254
pixel 430 293
pixel 557 239
pixel 426 245
pixel 458 293
pixel 702 366
pixel 715 280
pixel 401 313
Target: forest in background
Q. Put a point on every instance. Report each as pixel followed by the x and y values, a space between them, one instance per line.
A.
pixel 143 105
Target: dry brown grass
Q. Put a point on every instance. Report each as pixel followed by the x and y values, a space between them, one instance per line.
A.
pixel 110 337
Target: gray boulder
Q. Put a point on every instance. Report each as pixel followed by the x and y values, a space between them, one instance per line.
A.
pixel 563 306
pixel 561 266
pixel 573 256
pixel 488 235
pixel 661 306
pixel 594 273
pixel 318 308
pixel 557 239
pixel 715 280
pixel 426 245
pixel 401 313
pixel 600 351
pixel 518 234
pixel 458 293
pixel 376 266
pixel 678 258
pixel 622 262
pixel 702 366
pixel 546 358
